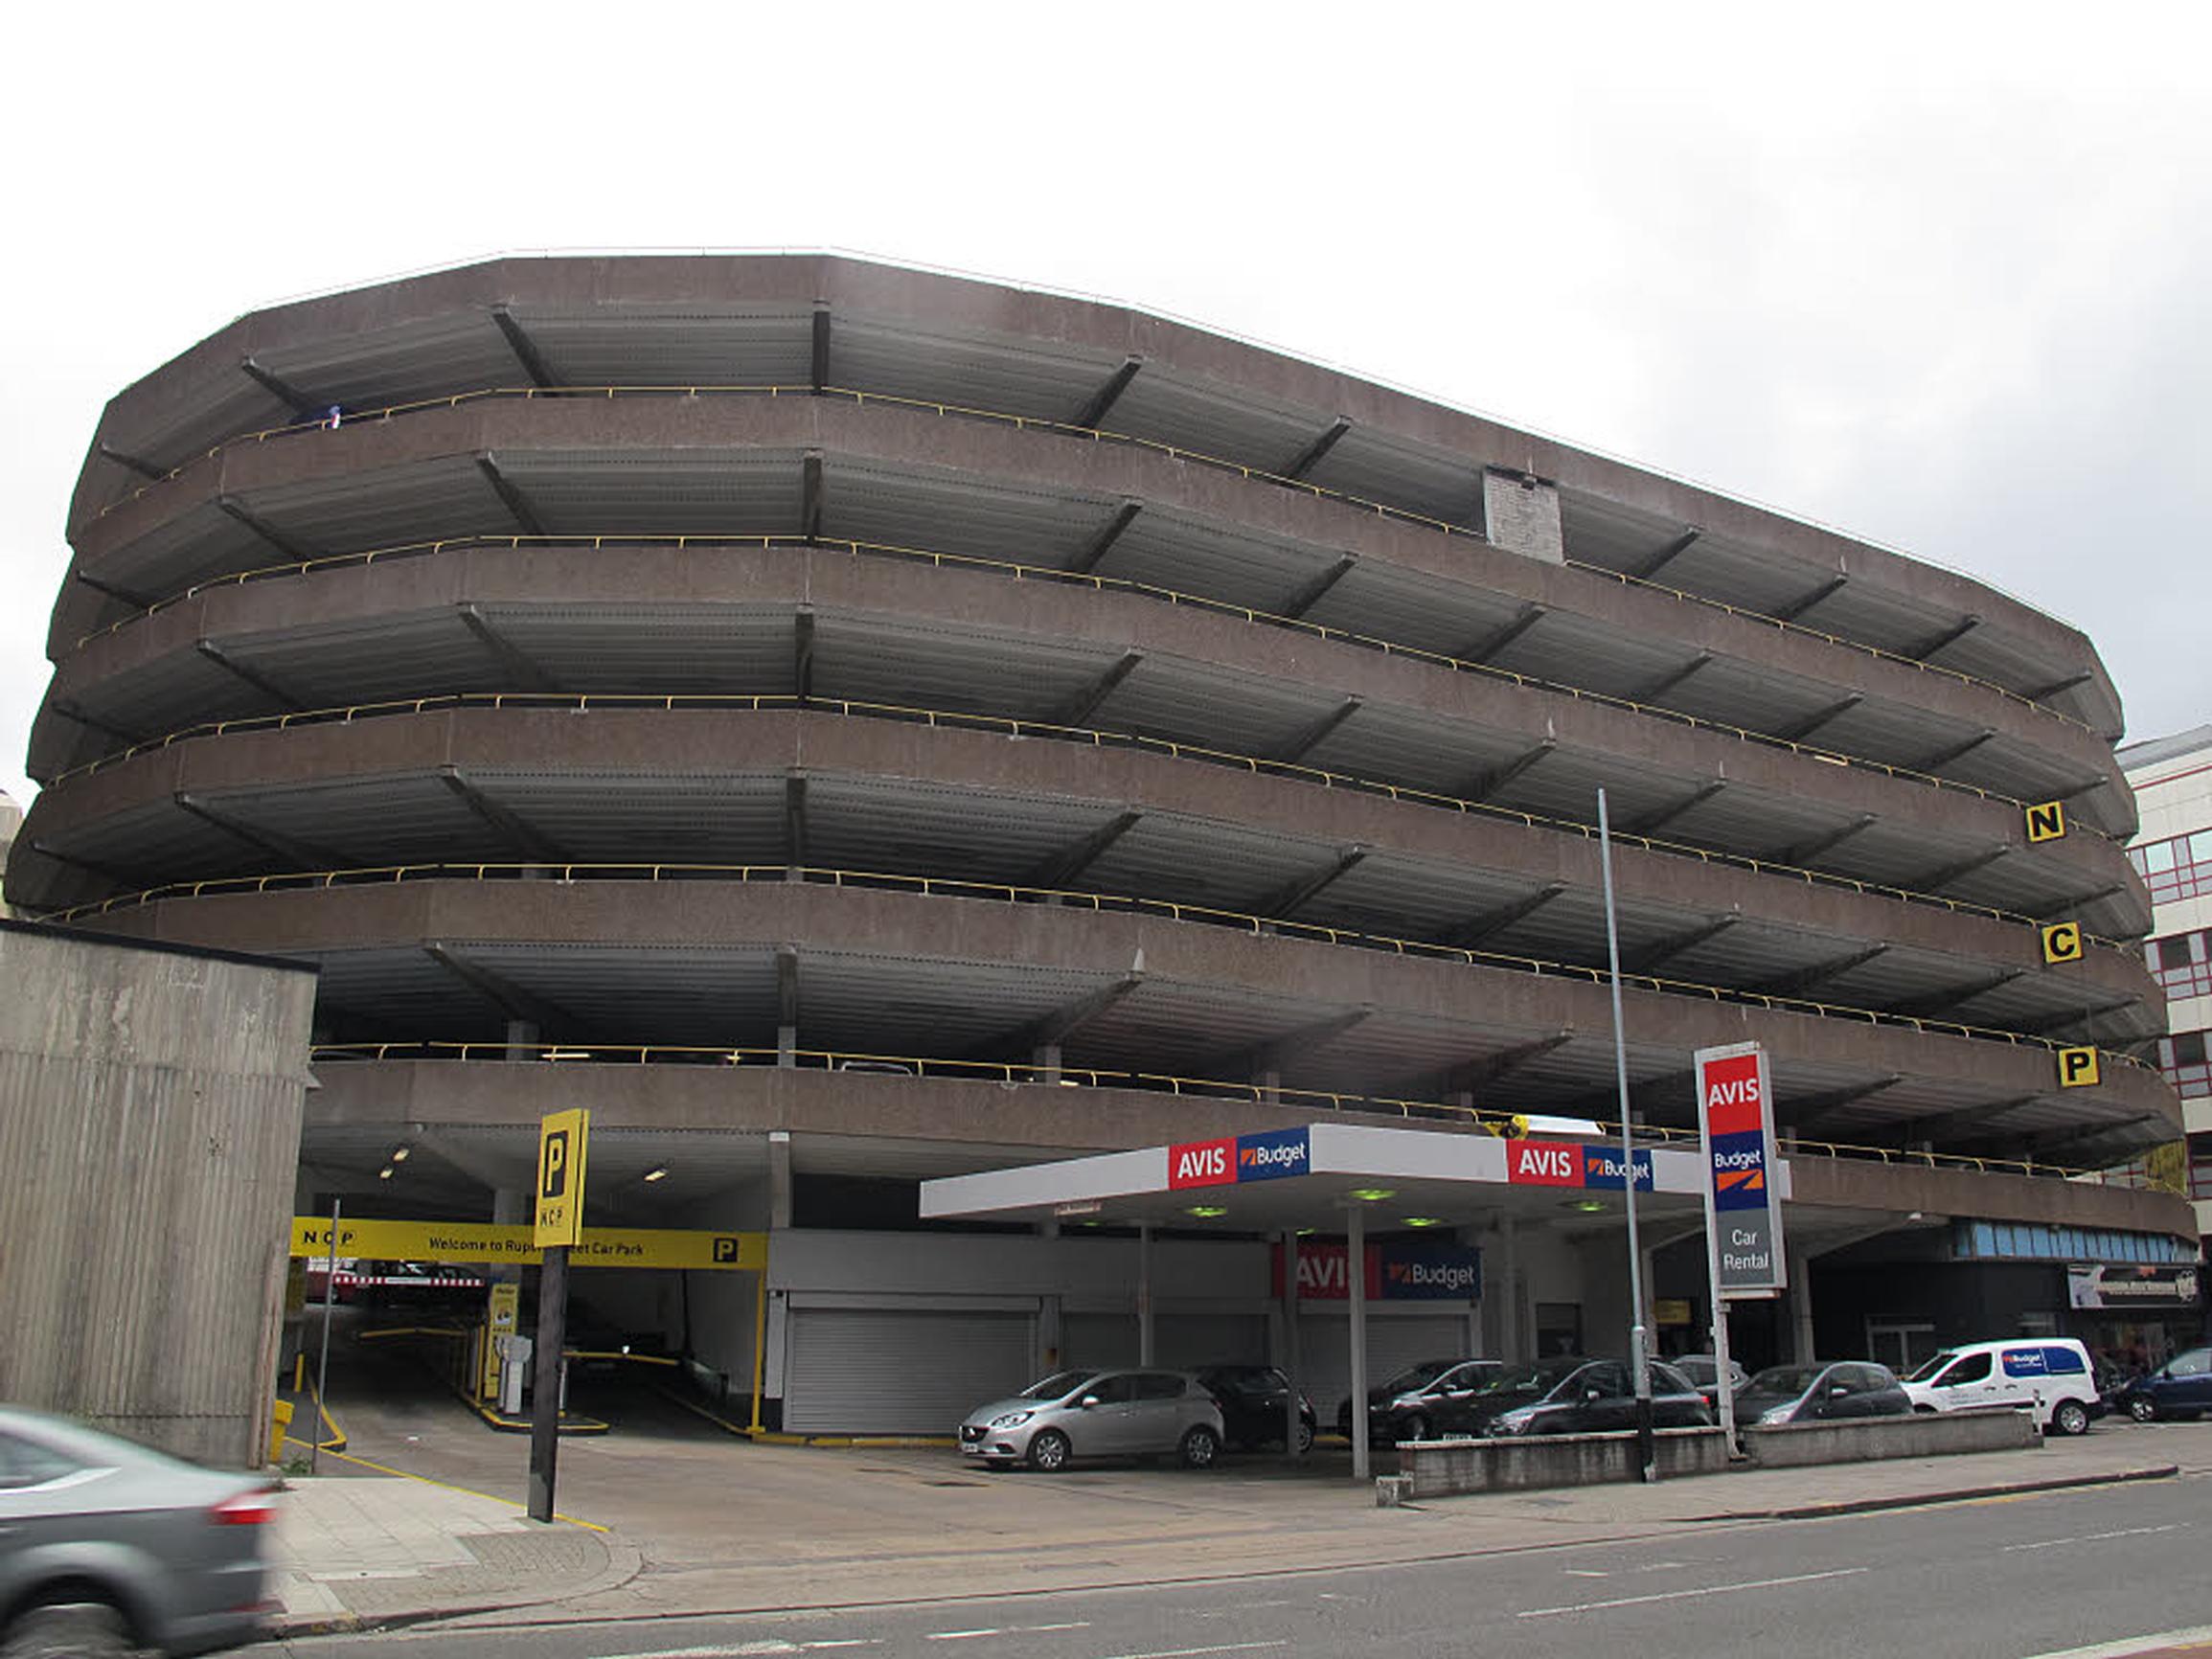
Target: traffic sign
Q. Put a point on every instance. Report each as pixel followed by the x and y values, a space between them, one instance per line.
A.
pixel 558 1219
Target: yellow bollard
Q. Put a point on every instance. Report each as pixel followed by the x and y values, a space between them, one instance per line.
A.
pixel 279 1420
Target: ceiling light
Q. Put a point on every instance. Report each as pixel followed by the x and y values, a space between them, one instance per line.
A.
pixel 1373 1194
pixel 1206 1212
pixel 568 1053
pixel 385 1173
pixel 1587 1206
pixel 658 1174
pixel 1423 1222
pixel 401 1152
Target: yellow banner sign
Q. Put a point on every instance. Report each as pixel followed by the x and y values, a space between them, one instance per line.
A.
pixel 561 1137
pixel 494 1243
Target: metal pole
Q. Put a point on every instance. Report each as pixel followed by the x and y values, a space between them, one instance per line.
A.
pixel 546 1381
pixel 1639 1338
pixel 322 1365
pixel 1291 1393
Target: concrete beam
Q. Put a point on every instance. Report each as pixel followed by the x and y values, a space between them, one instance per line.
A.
pixel 1672 679
pixel 1666 555
pixel 252 677
pixel 795 822
pixel 1065 866
pixel 1820 973
pixel 1937 881
pixel 512 999
pixel 1474 1075
pixel 516 664
pixel 144 468
pixel 1488 783
pixel 1308 594
pixel 1311 455
pixel 1056 1027
pixel 302 404
pixel 1286 901
pixel 1526 618
pixel 528 842
pixel 1653 822
pixel 518 505
pixel 1938 1002
pixel 1096 549
pixel 1473 933
pixel 818 348
pixel 301 854
pixel 1951 752
pixel 1665 950
pixel 1950 636
pixel 1803 1115
pixel 1797 608
pixel 269 533
pixel 811 490
pixel 1805 851
pixel 1080 707
pixel 803 654
pixel 1798 730
pixel 1096 406
pixel 1310 739
pixel 525 350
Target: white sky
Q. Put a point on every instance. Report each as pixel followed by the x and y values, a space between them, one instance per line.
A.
pixel 1937 275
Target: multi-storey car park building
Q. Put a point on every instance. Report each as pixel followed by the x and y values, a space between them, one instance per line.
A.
pixel 811 713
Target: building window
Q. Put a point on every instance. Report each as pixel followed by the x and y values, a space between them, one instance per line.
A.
pixel 2177 868
pixel 2183 1058
pixel 2182 962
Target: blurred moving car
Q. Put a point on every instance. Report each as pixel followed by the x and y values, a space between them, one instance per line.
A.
pixel 107 1547
pixel 1588 1396
pixel 1095 1414
pixel 1254 1402
pixel 1419 1402
pixel 1703 1369
pixel 2181 1388
pixel 2046 1377
pixel 1820 1393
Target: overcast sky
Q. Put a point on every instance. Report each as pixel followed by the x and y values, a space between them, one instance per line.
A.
pixel 1938 276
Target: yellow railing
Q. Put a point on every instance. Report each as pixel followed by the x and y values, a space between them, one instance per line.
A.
pixel 1005 893
pixel 1114 584
pixel 761 703
pixel 1009 1074
pixel 1029 423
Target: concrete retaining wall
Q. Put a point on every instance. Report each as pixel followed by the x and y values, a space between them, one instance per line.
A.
pixel 1441 1467
pixel 1793 1446
pixel 150 1124
pixel 1438 1469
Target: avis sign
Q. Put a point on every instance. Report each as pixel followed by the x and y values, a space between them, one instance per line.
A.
pixel 1736 1129
pixel 1572 1163
pixel 1265 1157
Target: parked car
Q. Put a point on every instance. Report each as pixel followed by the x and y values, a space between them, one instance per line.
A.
pixel 1820 1393
pixel 1092 1414
pixel 1703 1369
pixel 1254 1402
pixel 2048 1376
pixel 1590 1396
pixel 1419 1402
pixel 2181 1388
pixel 107 1547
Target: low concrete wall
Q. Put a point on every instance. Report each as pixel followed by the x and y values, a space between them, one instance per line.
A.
pixel 1923 1435
pixel 1440 1467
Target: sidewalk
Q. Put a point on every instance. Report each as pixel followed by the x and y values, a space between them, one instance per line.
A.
pixel 684 1525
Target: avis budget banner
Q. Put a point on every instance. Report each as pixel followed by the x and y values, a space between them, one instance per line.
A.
pixel 1736 1129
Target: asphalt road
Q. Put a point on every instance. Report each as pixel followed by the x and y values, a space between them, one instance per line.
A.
pixel 2045 1575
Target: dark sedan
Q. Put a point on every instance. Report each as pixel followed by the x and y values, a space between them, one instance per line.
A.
pixel 1254 1402
pixel 2181 1388
pixel 107 1547
pixel 1586 1396
pixel 1833 1392
pixel 1421 1400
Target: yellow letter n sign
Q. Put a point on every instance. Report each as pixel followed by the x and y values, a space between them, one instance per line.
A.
pixel 558 1218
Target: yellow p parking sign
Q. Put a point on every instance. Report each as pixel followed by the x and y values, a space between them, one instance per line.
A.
pixel 2077 1068
pixel 558 1216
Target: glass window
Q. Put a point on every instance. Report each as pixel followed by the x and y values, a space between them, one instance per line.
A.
pixel 26 1463
pixel 1159 1385
pixel 2158 855
pixel 2195 1363
pixel 1971 1368
pixel 2062 1362
pixel 1117 1390
pixel 2188 1049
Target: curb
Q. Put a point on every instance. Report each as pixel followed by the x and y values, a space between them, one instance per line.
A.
pixel 1955 1495
pixel 624 1563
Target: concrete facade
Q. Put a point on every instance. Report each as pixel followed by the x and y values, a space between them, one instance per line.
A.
pixel 818 711
pixel 149 1122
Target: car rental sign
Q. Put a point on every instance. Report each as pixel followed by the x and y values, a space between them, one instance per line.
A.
pixel 1263 1157
pixel 1736 1129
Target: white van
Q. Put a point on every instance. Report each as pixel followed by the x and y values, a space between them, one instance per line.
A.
pixel 2046 1375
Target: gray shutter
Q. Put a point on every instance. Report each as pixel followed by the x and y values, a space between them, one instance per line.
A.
pixel 1324 1362
pixel 884 1371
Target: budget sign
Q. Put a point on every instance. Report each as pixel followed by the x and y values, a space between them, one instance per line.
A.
pixel 1736 1129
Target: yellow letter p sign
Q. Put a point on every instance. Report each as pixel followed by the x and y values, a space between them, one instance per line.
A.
pixel 2077 1068
pixel 558 1218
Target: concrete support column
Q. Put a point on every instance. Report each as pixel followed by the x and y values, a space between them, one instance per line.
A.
pixel 1145 1293
pixel 1356 1287
pixel 1513 1339
pixel 522 1040
pixel 1268 1080
pixel 1800 1294
pixel 511 1207
pixel 1521 513
pixel 779 1180
pixel 1289 1348
pixel 1046 1060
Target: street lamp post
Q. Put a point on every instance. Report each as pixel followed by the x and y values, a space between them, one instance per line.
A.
pixel 1639 1337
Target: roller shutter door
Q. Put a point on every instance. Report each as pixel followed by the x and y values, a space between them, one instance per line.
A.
pixel 1324 1361
pixel 884 1371
pixel 1180 1341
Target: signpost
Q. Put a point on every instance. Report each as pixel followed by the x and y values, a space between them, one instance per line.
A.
pixel 1743 1254
pixel 557 1225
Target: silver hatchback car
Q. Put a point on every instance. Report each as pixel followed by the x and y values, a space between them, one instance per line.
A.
pixel 1097 1414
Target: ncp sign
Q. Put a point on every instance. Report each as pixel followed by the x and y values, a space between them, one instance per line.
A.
pixel 1736 1129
